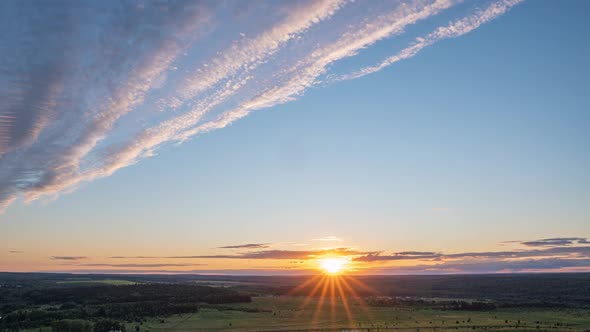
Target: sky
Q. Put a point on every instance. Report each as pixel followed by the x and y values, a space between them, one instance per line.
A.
pixel 406 137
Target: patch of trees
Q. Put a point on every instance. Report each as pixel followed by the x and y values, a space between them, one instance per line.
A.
pixel 137 310
pixel 77 325
pixel 172 293
pixel 467 306
pixel 108 326
pixel 385 301
pixel 242 309
pixel 553 290
pixel 86 326
pixel 565 290
pixel 66 309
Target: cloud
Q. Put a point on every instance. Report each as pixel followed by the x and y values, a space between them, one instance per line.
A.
pixel 564 252
pixel 15 252
pixel 453 30
pixel 492 266
pixel 282 254
pixel 404 255
pixel 68 258
pixel 108 67
pixel 566 257
pixel 556 241
pixel 132 265
pixel 247 246
pixel 89 87
pixel 244 272
pixel 267 254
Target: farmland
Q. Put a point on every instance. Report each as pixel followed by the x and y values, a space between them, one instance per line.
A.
pixel 536 303
pixel 283 313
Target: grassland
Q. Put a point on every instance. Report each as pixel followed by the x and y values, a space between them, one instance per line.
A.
pixel 157 303
pixel 82 281
pixel 283 313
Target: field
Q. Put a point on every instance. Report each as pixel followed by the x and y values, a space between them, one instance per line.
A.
pixel 84 281
pixel 460 303
pixel 283 313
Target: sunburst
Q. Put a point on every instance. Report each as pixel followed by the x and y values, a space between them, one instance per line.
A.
pixel 333 284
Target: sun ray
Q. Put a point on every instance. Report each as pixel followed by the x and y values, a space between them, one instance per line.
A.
pixel 321 299
pixel 345 303
pixel 361 284
pixel 356 296
pixel 332 299
pixel 309 296
pixel 305 284
pixel 336 286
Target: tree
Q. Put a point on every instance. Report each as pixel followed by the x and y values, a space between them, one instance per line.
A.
pixel 71 325
pixel 108 326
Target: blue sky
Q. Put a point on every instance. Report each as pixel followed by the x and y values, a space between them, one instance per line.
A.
pixel 471 142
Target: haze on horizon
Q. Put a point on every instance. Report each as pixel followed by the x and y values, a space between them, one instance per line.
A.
pixel 373 137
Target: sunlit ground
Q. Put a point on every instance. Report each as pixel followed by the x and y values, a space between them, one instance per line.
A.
pixel 330 301
pixel 286 313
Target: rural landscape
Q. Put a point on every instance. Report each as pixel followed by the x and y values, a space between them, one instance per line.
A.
pixel 62 302
pixel 294 165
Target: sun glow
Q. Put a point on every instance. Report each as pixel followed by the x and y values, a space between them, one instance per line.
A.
pixel 333 265
pixel 334 288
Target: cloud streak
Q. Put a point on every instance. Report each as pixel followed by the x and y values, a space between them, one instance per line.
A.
pixel 556 241
pixel 492 266
pixel 572 254
pixel 135 265
pixel 577 251
pixel 89 88
pixel 453 30
pixel 68 258
pixel 265 254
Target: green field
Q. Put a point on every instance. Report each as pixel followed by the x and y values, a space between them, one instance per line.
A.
pixel 82 281
pixel 221 283
pixel 530 303
pixel 287 314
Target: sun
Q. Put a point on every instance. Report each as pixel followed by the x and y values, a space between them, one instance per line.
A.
pixel 333 265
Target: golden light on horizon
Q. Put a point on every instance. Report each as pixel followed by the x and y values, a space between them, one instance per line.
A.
pixel 333 288
pixel 333 265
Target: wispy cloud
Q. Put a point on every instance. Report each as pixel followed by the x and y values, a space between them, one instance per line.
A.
pixel 564 252
pixel 404 255
pixel 491 266
pixel 556 241
pixel 15 252
pixel 556 254
pixel 262 271
pixel 68 258
pixel 454 29
pixel 266 254
pixel 135 265
pixel 92 88
pixel 570 254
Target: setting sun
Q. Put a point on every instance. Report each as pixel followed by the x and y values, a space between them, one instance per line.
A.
pixel 333 265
